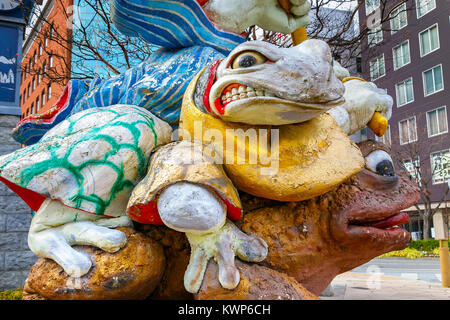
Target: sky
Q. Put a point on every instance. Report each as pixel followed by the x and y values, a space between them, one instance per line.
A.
pixel 344 5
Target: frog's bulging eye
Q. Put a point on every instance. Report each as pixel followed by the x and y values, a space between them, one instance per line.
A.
pixel 381 163
pixel 248 59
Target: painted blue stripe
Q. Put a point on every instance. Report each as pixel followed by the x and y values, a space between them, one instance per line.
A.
pixel 202 57
pixel 96 98
pixel 184 27
pixel 159 35
pixel 181 77
pixel 187 16
pixel 189 7
pixel 195 7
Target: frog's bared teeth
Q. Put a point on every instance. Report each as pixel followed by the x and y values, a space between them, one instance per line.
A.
pixel 237 91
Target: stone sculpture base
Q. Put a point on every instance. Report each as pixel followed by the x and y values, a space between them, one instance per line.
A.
pixel 257 283
pixel 152 266
pixel 131 273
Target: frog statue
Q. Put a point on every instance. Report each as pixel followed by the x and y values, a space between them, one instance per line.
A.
pixel 154 150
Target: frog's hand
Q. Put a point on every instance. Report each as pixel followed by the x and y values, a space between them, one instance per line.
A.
pixel 55 228
pixel 222 245
pixel 362 101
pixel 237 16
pixel 195 210
pixel 187 191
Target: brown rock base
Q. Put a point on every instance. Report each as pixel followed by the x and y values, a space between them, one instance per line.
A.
pixel 257 283
pixel 129 274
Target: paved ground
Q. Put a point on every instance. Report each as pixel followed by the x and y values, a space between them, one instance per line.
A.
pixel 359 286
pixel 424 269
pixel 390 279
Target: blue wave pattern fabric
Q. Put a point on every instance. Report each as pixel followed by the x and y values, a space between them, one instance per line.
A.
pixel 189 41
pixel 157 85
pixel 31 132
pixel 171 24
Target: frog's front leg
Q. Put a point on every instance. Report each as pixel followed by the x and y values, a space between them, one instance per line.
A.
pixel 198 212
pixel 55 228
pixel 186 190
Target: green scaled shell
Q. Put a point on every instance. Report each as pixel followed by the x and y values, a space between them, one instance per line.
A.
pixel 92 160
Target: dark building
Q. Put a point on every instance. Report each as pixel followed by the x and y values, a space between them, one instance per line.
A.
pixel 409 56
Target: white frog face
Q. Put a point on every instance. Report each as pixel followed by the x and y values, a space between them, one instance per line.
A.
pixel 261 84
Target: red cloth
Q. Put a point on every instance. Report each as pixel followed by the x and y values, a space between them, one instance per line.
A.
pixel 202 2
pixel 33 199
pixel 148 213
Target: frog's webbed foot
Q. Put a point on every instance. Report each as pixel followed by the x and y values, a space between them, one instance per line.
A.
pixel 222 246
pixel 51 236
pixel 193 209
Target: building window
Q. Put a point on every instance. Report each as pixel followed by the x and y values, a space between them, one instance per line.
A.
pixel 440 166
pixel 377 68
pixel 386 139
pixel 424 6
pixel 429 40
pixel 43 98
pixel 433 81
pixel 44 68
pixel 34 83
pixel 50 61
pixel 32 108
pixel 52 31
pixel 34 58
pixel 37 104
pixel 45 41
pixel 375 36
pixel 437 121
pixel 49 92
pixel 371 5
pixel 399 18
pixel 408 130
pixel 28 91
pixel 413 168
pixel 39 76
pixel 40 49
pixel 401 55
pixel 405 92
pixel 358 64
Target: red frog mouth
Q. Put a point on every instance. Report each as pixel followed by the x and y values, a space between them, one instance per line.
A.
pixel 376 213
pixel 390 223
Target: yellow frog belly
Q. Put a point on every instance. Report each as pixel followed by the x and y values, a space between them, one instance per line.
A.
pixel 309 159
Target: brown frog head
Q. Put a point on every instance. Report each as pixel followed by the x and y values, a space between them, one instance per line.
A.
pixel 315 240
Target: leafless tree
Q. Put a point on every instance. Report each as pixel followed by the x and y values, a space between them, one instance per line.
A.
pixel 94 46
pixel 425 170
pixel 337 23
pixel 87 46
